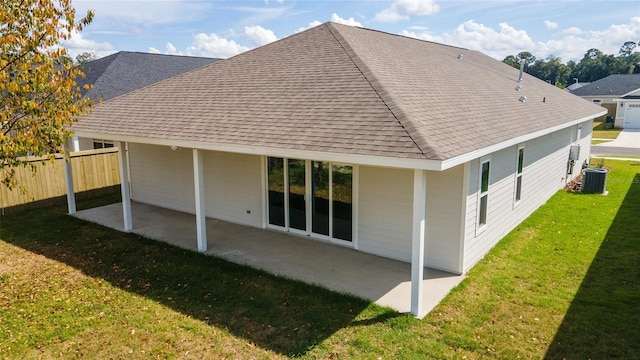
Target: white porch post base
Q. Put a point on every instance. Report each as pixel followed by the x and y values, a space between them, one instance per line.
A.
pixel 201 220
pixel 68 176
pixel 417 243
pixel 124 187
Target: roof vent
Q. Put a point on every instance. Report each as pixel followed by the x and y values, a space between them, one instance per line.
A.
pixel 460 56
pixel 523 99
pixel 521 70
pixel 519 87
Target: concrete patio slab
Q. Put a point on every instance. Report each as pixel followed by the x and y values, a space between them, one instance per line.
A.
pixel 386 282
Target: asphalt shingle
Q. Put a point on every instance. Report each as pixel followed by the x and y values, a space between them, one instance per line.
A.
pixel 342 89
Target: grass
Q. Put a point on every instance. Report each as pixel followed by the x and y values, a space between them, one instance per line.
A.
pixel 623 156
pixel 564 284
pixel 596 142
pixel 600 132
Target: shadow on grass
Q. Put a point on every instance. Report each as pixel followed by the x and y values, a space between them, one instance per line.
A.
pixel 288 317
pixel 603 319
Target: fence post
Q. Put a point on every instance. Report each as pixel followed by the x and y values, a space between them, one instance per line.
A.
pixel 68 175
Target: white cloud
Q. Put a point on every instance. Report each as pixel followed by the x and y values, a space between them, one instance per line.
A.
pixel 422 36
pixel 572 31
pixel 550 24
pixel 213 45
pixel 335 18
pixel 571 43
pixel 259 36
pixel 401 10
pixel 78 44
pixel 312 24
pixel 350 21
pixel 496 43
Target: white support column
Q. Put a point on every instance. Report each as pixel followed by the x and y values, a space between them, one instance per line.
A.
pixel 198 179
pixel 68 176
pixel 417 243
pixel 124 186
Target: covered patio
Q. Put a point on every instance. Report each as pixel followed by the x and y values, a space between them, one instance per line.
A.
pixel 386 282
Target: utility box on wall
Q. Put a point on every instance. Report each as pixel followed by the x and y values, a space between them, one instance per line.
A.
pixel 574 152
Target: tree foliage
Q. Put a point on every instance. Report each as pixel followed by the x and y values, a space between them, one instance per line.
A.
pixel 39 98
pixel 593 66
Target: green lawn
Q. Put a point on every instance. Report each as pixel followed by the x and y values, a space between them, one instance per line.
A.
pixel 599 131
pixel 596 142
pixel 564 284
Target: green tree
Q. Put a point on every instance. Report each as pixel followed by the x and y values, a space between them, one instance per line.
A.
pixel 39 97
pixel 551 70
pixel 86 57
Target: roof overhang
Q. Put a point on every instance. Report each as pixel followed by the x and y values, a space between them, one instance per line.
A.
pixel 630 92
pixel 422 164
pixel 371 160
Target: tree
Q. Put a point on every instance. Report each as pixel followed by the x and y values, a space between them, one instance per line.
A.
pixel 86 57
pixel 39 99
pixel 552 70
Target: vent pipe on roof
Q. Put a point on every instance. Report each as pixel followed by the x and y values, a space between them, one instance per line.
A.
pixel 521 70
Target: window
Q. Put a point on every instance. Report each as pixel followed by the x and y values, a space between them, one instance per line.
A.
pixel 102 144
pixel 484 193
pixel 519 167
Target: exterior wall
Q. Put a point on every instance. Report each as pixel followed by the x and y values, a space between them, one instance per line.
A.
pixel 608 103
pixel 233 191
pixel 385 212
pixel 164 177
pixel 385 215
pixel 544 173
pixel 445 196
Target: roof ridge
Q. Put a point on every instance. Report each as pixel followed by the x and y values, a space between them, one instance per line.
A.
pixel 360 65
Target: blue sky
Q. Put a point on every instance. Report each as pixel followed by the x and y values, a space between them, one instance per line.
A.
pixel 225 28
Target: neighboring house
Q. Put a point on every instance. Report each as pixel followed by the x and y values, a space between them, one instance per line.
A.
pixel 576 85
pixel 620 94
pixel 123 72
pixel 394 146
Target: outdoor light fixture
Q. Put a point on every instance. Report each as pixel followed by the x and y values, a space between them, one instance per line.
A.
pixel 174 148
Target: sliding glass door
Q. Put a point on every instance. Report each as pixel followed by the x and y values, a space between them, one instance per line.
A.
pixel 311 196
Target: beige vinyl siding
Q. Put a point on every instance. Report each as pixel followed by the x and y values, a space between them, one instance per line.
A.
pixel 445 192
pixel 232 187
pixel 544 173
pixel 162 177
pixel 385 212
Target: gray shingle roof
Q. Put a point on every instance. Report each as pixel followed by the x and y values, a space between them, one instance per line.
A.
pixel 342 89
pixel 124 71
pixel 612 85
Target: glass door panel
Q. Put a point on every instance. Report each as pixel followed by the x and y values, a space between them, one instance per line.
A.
pixel 342 177
pixel 297 190
pixel 320 197
pixel 275 179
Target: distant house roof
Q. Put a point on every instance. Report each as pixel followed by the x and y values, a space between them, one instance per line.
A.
pixel 344 90
pixel 612 85
pixel 576 85
pixel 124 71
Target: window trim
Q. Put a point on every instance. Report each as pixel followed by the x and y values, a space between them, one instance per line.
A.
pixel 519 170
pixel 104 144
pixel 480 209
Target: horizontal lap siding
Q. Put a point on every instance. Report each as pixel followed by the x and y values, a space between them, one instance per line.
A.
pixel 233 190
pixel 544 173
pixel 162 177
pixel 385 212
pixel 445 192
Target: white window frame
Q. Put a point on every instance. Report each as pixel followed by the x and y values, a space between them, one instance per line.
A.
pixel 480 227
pixel 103 143
pixel 518 175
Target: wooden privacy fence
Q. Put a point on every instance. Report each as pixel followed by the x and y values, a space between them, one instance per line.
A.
pixel 92 170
